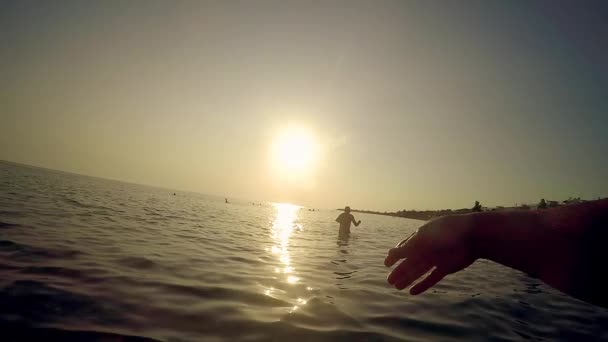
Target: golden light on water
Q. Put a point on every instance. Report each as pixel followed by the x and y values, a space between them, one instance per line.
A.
pixel 292 279
pixel 282 228
pixel 285 222
pixel 301 301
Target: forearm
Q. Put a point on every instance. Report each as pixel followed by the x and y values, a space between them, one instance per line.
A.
pixel 522 241
pixel 560 246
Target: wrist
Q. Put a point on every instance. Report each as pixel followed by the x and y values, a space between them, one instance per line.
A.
pixel 494 235
pixel 477 243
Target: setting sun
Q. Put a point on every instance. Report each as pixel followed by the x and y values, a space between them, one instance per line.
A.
pixel 295 151
pixel 319 170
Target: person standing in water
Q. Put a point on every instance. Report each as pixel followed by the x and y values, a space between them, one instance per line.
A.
pixel 345 220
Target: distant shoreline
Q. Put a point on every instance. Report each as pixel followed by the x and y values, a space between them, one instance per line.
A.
pixel 414 215
pixel 425 215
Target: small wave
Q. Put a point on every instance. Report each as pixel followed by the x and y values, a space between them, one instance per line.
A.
pixel 344 275
pixel 12 213
pixel 53 271
pixel 217 293
pixel 242 260
pixel 87 206
pixel 25 252
pixel 8 225
pixel 35 301
pixel 138 262
pixel 8 267
pixel 323 316
pixel 6 245
pixel 54 334
pixel 75 202
pixel 421 326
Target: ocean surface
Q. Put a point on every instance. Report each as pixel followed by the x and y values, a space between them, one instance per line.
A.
pixel 84 258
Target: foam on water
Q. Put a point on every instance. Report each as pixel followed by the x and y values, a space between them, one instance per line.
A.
pixel 83 258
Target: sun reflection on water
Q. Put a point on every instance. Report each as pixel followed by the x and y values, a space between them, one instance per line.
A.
pixel 282 227
pixel 284 224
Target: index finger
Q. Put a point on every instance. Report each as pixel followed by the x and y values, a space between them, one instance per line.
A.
pixel 402 242
pixel 402 250
pixel 394 254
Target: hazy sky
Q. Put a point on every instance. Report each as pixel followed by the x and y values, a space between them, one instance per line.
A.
pixel 429 104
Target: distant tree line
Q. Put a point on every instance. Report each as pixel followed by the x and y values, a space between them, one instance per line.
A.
pixel 477 207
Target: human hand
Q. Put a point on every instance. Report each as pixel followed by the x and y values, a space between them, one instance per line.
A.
pixel 443 245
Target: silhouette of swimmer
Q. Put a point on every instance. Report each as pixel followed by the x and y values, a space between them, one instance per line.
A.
pixel 225 199
pixel 345 220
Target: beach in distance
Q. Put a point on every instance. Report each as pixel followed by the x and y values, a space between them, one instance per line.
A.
pixel 85 258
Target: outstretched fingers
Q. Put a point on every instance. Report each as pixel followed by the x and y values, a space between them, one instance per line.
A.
pixel 402 250
pixel 407 272
pixel 411 276
pixel 428 282
pixel 394 254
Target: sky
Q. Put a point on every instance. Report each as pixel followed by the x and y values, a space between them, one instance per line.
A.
pixel 409 104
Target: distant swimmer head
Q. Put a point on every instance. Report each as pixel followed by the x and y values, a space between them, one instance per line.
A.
pixel 347 209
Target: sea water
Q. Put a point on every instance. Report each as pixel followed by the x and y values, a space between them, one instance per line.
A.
pixel 84 258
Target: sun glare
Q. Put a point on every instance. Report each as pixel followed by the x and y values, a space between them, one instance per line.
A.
pixel 295 151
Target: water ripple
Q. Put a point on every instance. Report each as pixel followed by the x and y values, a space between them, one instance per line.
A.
pixel 90 259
